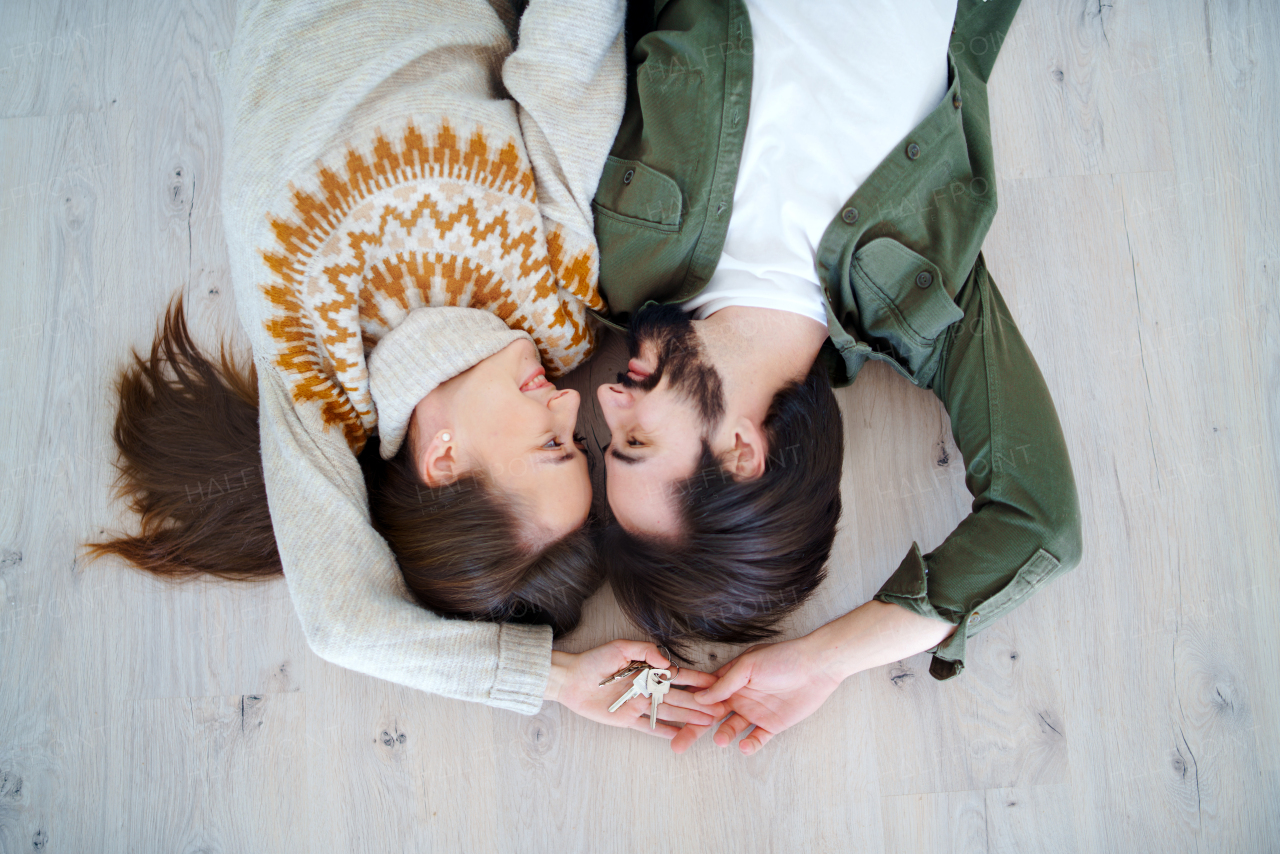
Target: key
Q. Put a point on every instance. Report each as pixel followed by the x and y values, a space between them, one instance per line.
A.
pixel 639 688
pixel 624 672
pixel 659 685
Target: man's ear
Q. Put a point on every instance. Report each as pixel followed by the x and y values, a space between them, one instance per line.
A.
pixel 438 463
pixel 745 460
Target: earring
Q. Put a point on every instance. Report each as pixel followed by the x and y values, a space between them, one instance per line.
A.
pixel 445 437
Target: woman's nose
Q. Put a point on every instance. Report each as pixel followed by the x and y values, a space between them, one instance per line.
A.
pixel 564 410
pixel 566 399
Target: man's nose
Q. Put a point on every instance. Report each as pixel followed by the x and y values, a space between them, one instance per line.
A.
pixel 616 396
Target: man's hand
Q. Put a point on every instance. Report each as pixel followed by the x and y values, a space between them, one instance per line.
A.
pixel 575 683
pixel 773 686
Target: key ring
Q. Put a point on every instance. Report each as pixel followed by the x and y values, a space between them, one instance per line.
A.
pixel 666 653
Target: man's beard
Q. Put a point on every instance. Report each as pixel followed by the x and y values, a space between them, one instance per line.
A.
pixel 680 360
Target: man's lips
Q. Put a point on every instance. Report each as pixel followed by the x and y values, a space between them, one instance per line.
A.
pixel 637 371
pixel 535 380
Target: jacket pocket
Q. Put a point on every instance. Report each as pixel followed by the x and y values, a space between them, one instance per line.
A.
pixel 632 192
pixel 903 305
pixel 643 253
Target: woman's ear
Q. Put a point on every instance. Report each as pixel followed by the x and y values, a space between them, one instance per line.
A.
pixel 745 460
pixel 438 462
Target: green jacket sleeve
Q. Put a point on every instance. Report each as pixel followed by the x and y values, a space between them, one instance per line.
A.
pixel 1025 526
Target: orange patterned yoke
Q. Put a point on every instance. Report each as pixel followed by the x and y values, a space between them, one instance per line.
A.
pixel 421 223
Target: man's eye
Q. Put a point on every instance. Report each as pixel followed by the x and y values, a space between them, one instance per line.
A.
pixel 634 443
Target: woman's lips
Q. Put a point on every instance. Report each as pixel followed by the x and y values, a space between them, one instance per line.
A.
pixel 535 381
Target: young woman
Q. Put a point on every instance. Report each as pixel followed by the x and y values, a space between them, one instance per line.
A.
pixel 407 208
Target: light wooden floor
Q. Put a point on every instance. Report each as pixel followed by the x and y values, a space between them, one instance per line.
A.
pixel 1131 707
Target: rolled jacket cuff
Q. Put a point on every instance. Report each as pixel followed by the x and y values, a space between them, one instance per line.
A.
pixel 908 588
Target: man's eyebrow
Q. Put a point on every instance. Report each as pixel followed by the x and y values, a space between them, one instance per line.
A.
pixel 623 458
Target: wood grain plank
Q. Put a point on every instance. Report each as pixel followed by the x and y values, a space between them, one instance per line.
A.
pixel 1203 418
pixel 1072 283
pixel 1035 819
pixel 713 797
pixel 56 711
pixel 943 823
pixel 1226 150
pixel 1003 724
pixel 50 56
pixel 229 778
pixel 1090 95
pixel 361 789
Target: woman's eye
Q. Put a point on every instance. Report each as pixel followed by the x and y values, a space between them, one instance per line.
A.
pixel 634 443
pixel 553 445
pixel 579 440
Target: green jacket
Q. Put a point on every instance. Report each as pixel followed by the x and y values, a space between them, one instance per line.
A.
pixel 903 279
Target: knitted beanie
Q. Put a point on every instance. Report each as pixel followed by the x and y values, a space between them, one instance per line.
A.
pixel 429 346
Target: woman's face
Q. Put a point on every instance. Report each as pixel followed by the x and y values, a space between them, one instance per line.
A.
pixel 504 418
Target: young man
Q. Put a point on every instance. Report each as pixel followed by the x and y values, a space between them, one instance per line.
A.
pixel 860 190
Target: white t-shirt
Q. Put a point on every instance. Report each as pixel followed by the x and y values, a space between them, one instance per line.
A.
pixel 836 86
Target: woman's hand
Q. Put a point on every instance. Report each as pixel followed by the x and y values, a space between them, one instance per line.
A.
pixel 575 683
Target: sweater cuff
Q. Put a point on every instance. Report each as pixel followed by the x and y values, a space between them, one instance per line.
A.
pixel 524 664
pixel 427 348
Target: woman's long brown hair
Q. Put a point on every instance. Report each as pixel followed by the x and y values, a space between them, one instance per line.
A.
pixel 459 550
pixel 190 466
pixel 189 463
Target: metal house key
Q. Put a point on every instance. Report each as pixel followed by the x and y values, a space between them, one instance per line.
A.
pixel 659 685
pixel 639 688
pixel 624 672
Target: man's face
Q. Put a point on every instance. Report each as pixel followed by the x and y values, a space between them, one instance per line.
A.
pixel 659 413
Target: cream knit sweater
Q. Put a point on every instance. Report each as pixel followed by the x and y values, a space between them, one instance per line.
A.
pixel 403 195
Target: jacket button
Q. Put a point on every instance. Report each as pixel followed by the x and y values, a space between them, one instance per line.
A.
pixel 924 280
pixel 626 179
pixel 849 215
pixel 956 101
pixel 975 617
pixel 913 151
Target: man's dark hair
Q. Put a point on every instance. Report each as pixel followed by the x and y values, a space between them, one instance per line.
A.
pixel 748 552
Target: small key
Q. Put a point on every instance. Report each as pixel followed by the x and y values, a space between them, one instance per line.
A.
pixel 639 688
pixel 624 672
pixel 659 685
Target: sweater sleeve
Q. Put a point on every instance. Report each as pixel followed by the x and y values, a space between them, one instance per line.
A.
pixel 568 76
pixel 347 588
